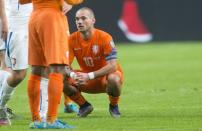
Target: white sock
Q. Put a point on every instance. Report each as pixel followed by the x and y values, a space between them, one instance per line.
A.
pixel 3 76
pixel 44 98
pixel 7 92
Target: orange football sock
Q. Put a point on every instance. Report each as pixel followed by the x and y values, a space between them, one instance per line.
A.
pixel 78 98
pixel 67 100
pixel 55 87
pixel 114 100
pixel 34 96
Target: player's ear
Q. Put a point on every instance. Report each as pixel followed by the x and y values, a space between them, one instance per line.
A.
pixel 93 20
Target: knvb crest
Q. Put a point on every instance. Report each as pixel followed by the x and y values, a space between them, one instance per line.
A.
pixel 95 48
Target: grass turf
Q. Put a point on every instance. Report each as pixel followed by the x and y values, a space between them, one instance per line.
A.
pixel 161 92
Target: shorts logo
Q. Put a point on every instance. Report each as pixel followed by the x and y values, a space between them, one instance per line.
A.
pixel 13 60
pixel 95 49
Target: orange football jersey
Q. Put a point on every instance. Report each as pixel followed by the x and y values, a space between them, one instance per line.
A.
pixel 91 54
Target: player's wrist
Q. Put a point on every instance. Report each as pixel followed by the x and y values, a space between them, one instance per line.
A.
pixel 91 75
pixel 72 75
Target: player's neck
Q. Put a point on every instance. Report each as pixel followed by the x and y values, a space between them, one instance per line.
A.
pixel 88 34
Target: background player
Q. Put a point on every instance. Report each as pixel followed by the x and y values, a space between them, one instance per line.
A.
pixel 16 53
pixel 3 33
pixel 3 36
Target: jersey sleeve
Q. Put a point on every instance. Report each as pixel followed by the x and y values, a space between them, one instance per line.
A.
pixel 110 51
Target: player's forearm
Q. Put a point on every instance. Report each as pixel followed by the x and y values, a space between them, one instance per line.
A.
pixel 4 21
pixel 1 6
pixel 74 2
pixel 109 68
pixel 66 7
pixel 2 9
pixel 25 1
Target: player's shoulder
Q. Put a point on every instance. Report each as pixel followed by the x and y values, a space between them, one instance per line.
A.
pixel 102 33
pixel 74 36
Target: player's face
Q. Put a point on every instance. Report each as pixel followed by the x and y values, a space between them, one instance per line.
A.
pixel 84 21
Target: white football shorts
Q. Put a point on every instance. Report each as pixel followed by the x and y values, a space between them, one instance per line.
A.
pixel 16 56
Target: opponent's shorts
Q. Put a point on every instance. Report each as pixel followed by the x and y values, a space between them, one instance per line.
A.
pixel 97 85
pixel 16 56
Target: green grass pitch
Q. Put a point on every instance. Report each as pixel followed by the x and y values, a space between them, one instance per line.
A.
pixel 162 92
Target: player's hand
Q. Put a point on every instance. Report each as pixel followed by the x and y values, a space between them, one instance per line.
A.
pixel 82 78
pixel 66 8
pixel 4 30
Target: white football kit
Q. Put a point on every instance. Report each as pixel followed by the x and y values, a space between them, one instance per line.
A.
pixel 16 45
pixel 17 41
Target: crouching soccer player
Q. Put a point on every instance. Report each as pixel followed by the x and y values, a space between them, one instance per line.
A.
pixel 96 55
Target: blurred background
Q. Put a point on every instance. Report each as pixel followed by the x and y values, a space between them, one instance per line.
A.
pixel 162 20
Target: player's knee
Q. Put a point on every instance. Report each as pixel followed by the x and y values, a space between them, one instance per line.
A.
pixel 38 70
pixel 17 77
pixel 114 79
pixel 62 69
pixel 114 85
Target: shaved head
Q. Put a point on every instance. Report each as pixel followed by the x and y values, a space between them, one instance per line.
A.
pixel 89 12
